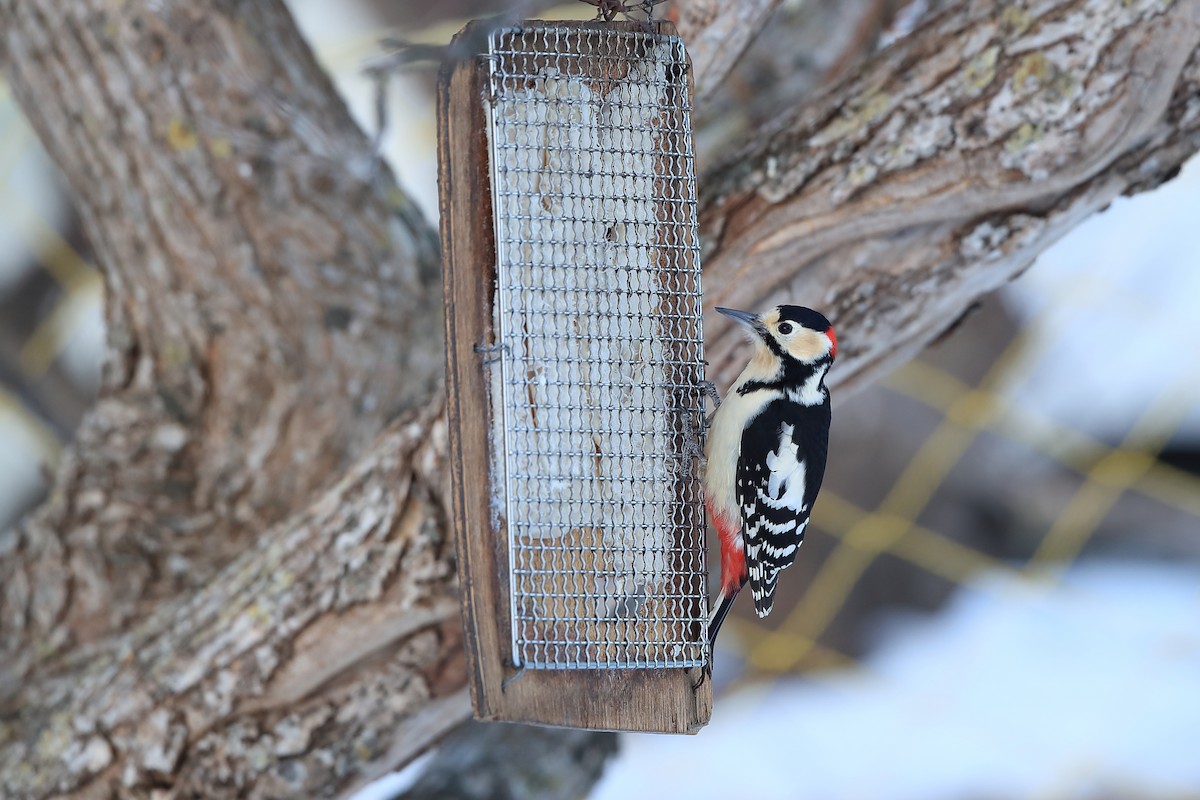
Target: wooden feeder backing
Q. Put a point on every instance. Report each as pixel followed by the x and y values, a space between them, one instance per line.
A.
pixel 574 370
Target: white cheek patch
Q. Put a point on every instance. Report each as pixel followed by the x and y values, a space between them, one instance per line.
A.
pixel 808 345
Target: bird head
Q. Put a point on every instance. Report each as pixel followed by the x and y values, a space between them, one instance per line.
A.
pixel 789 333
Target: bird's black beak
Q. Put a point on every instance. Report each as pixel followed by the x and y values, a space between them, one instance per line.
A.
pixel 752 321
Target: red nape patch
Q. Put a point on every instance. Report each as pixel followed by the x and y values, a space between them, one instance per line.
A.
pixel 833 342
pixel 733 557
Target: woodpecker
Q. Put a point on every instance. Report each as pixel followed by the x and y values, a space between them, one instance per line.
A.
pixel 766 452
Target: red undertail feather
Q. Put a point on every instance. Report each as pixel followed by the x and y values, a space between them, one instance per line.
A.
pixel 733 566
pixel 733 557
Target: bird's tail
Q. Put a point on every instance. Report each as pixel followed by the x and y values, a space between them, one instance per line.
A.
pixel 719 613
pixel 733 564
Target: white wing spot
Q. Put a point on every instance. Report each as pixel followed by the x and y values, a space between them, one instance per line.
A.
pixel 787 473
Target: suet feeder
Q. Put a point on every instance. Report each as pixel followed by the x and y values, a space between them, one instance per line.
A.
pixel 575 367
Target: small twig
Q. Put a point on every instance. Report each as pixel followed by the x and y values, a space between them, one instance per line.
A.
pixel 381 80
pixel 401 55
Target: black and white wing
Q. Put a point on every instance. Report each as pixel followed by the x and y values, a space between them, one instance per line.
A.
pixel 779 472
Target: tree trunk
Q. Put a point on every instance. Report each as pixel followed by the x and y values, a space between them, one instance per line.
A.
pixel 272 297
pixel 241 585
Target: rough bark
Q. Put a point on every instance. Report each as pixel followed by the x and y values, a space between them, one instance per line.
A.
pixel 946 165
pixel 332 642
pixel 266 285
pixel 786 64
pixel 717 33
pixel 264 291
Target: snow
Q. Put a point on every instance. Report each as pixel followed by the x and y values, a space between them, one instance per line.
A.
pixel 1016 689
pixel 21 459
pixel 82 347
pixel 28 193
pixel 394 784
pixel 1117 325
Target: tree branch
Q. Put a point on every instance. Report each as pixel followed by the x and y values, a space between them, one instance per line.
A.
pixel 945 166
pixel 272 301
pixel 333 640
pixel 717 32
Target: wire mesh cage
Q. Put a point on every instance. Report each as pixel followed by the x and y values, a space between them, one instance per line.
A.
pixel 569 225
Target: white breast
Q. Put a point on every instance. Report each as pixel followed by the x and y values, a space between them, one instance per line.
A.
pixel 725 440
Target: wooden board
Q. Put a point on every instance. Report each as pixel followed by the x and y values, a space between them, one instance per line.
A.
pixel 665 700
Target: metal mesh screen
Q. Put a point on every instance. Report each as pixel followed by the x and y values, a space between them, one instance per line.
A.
pixel 601 353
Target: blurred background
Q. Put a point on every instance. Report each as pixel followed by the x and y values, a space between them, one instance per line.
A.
pixel 1000 594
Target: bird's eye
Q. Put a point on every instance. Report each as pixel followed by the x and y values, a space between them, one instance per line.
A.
pixel 785 328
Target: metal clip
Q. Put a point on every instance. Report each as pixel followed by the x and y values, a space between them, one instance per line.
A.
pixel 504 684
pixel 491 84
pixel 491 352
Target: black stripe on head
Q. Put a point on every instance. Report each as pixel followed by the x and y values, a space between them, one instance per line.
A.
pixel 813 320
pixel 771 343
